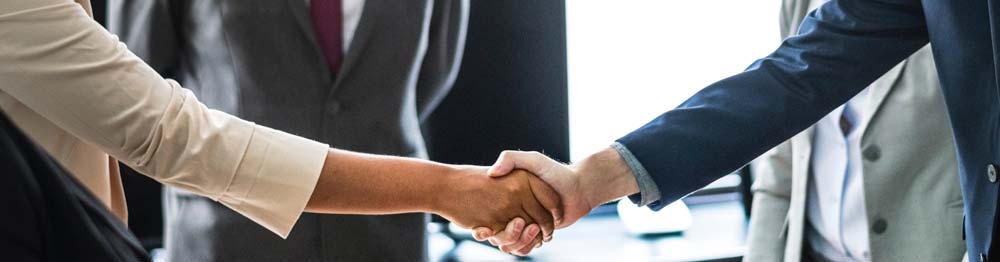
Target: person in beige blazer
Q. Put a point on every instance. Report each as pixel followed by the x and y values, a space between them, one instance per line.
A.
pixel 912 199
pixel 81 95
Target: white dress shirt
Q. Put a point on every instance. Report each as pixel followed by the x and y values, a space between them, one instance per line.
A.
pixel 836 213
pixel 81 95
pixel 352 11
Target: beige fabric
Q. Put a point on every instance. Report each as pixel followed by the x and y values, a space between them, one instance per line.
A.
pixel 81 95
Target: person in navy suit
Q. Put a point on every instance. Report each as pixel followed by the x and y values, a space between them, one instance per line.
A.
pixel 841 48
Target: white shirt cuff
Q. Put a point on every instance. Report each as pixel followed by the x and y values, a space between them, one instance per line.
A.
pixel 275 179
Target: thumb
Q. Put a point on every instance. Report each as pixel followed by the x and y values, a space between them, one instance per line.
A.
pixel 503 166
pixel 510 160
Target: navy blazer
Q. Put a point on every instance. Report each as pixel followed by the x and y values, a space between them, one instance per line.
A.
pixel 842 47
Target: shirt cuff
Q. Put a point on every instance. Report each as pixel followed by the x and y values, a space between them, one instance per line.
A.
pixel 275 179
pixel 648 191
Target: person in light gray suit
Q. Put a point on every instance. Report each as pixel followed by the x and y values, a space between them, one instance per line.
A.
pixel 265 61
pixel 887 190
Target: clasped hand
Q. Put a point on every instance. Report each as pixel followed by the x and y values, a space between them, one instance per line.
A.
pixel 599 178
pixel 513 171
pixel 491 204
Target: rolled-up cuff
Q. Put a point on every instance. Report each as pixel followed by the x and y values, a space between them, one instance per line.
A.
pixel 648 191
pixel 275 179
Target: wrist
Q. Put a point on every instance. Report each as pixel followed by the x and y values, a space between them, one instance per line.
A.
pixel 450 187
pixel 605 177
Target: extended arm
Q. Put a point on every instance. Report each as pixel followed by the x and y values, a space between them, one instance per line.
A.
pixel 842 47
pixel 59 63
pixel 356 183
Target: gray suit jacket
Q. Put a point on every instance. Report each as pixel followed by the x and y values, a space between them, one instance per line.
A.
pixel 258 59
pixel 911 184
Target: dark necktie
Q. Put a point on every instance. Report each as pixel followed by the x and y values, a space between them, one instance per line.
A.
pixel 326 18
pixel 845 122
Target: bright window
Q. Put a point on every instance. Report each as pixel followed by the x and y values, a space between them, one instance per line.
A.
pixel 631 60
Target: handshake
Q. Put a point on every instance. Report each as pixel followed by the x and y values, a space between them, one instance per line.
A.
pixel 525 196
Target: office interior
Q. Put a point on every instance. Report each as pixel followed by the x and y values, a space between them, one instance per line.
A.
pixel 567 78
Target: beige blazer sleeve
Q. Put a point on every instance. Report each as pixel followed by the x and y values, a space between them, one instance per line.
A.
pixel 771 198
pixel 61 64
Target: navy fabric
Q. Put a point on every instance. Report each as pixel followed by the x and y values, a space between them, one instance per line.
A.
pixel 842 47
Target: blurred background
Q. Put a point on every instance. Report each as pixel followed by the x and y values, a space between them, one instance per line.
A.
pixel 567 79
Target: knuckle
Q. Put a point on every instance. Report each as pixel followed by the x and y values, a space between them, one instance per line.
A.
pixel 509 238
pixel 515 230
pixel 526 238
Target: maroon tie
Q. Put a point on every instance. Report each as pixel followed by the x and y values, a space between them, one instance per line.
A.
pixel 326 18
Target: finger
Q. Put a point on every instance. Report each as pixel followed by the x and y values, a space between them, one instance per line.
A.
pixel 539 214
pixel 510 160
pixel 482 233
pixel 543 219
pixel 527 240
pixel 493 241
pixel 512 232
pixel 507 249
pixel 538 241
pixel 503 165
pixel 524 251
pixel 547 197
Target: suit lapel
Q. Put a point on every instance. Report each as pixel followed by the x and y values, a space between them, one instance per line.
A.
pixel 363 31
pixel 366 27
pixel 301 12
pixel 881 89
pixel 801 153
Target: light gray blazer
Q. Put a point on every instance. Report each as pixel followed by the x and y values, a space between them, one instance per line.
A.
pixel 911 185
pixel 258 59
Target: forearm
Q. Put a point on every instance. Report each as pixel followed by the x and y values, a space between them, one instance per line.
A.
pixel 356 183
pixel 605 176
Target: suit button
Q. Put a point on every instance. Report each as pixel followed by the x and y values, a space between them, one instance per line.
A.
pixel 872 153
pixel 879 226
pixel 991 173
pixel 333 107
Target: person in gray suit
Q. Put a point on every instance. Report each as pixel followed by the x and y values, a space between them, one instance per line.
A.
pixel 277 62
pixel 876 180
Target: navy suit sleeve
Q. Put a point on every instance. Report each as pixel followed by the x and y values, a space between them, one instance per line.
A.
pixel 841 48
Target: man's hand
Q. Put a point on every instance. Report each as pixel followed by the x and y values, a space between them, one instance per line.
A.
pixel 473 200
pixel 599 178
pixel 515 239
